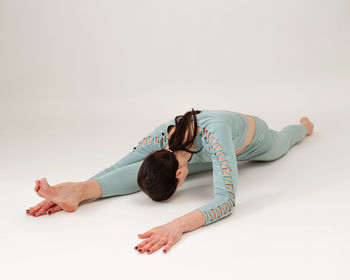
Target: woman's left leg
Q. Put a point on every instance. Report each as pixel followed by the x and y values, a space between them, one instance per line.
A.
pixel 280 142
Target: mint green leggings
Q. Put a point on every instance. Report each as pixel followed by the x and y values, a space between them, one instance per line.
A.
pixel 267 145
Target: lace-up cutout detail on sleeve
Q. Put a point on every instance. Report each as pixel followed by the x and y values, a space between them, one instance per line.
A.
pixel 149 140
pixel 225 173
pixel 146 146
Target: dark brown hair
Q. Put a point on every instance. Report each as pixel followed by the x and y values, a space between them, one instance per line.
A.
pixel 157 173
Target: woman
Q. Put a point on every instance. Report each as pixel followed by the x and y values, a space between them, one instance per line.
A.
pixel 194 142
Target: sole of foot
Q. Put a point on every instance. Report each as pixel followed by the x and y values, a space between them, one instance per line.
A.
pixel 61 195
pixel 309 125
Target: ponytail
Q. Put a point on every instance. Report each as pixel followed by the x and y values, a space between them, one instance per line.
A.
pixel 182 125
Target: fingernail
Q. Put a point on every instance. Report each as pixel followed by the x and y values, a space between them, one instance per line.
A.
pixel 164 251
pixel 48 212
pixel 140 250
pixel 148 250
pixel 136 247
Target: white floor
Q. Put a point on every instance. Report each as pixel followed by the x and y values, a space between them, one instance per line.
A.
pixel 82 83
pixel 291 219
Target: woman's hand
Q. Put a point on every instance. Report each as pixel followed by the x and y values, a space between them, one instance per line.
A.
pixel 167 234
pixel 43 208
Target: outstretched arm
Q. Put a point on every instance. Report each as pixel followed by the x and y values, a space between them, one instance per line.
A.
pixel 149 144
pixel 219 144
pixel 225 174
pixel 121 177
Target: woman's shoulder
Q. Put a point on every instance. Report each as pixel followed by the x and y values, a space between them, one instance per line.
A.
pixel 210 117
pixel 207 118
pixel 217 113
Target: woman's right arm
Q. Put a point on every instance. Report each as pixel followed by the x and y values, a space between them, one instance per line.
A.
pixel 149 144
pixel 121 177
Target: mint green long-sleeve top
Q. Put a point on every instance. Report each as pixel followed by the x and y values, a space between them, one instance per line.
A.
pixel 221 133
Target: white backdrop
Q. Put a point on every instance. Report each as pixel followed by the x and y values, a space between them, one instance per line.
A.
pixel 81 82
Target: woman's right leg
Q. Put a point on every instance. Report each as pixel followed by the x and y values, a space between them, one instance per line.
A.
pixel 278 143
pixel 120 181
pixel 68 195
pixel 65 196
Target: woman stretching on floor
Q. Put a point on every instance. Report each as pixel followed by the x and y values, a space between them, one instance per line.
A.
pixel 194 142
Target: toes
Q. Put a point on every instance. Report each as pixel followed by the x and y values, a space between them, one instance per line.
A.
pixel 53 209
pixel 45 189
pixel 37 185
pixel 304 119
pixel 43 183
pixel 41 193
pixel 46 184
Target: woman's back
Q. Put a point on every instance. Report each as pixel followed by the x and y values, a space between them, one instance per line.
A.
pixel 211 121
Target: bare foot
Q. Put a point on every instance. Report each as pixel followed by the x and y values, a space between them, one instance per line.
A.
pixel 66 195
pixel 309 125
pixel 44 207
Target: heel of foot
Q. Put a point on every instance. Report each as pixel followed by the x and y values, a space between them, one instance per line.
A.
pixel 69 207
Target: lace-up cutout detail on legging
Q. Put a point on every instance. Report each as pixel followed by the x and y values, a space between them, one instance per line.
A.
pixel 224 163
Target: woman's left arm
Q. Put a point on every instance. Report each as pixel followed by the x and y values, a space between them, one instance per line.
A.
pixel 168 234
pixel 219 143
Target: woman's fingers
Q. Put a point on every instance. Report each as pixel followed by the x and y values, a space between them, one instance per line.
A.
pixel 149 245
pixel 166 234
pixel 141 245
pixel 156 246
pixel 46 206
pixel 32 210
pixel 149 235
pixel 43 208
pixel 53 209
pixel 146 234
pixel 171 242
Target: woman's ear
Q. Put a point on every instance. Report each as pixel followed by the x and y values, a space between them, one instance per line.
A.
pixel 178 172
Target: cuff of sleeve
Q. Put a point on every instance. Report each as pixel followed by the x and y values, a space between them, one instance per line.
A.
pixel 205 216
